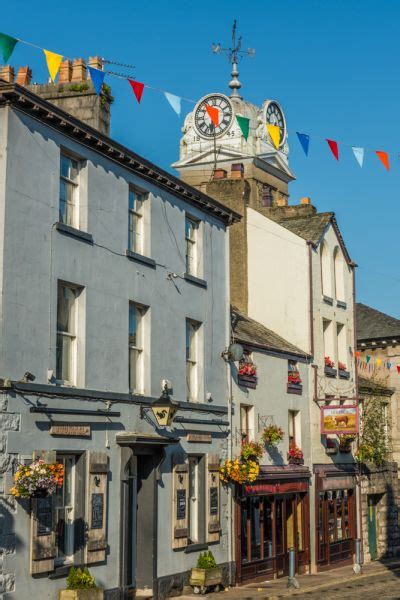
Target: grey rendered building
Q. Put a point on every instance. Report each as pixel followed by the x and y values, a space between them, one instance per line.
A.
pixel 114 277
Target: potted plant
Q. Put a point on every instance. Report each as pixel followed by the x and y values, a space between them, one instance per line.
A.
pixel 206 574
pixel 39 479
pixel 295 455
pixel 343 372
pixel 272 435
pixel 329 367
pixel 364 453
pixel 239 471
pixel 345 440
pixel 247 374
pixel 81 586
pixel 251 451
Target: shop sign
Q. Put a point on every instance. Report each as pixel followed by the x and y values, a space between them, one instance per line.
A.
pixel 68 430
pixel 339 419
pixel 200 438
pixel 276 488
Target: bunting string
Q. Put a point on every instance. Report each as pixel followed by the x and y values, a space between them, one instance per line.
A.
pixel 97 76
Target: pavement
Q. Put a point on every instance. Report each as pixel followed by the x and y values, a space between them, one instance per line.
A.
pixel 378 579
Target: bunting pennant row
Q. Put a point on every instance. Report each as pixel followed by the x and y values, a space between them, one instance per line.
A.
pixel 53 61
pixel 7 45
pixel 97 77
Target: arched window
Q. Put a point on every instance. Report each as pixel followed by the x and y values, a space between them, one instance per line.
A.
pixel 338 264
pixel 326 271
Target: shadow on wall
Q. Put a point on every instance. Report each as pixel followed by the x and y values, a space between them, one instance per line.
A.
pixel 276 456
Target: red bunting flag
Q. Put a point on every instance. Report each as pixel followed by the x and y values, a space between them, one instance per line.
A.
pixel 398 369
pixel 213 113
pixel 334 148
pixel 384 158
pixel 137 88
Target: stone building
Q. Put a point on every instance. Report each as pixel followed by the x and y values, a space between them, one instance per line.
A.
pixel 290 271
pixel 378 338
pixel 108 290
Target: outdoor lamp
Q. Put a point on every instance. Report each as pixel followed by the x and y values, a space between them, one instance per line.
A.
pixel 164 409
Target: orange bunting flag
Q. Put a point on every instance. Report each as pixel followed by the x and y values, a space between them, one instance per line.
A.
pixel 53 61
pixel 213 113
pixel 334 148
pixel 137 88
pixel 384 158
pixel 357 353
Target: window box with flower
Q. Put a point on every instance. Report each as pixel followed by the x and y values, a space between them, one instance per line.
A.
pixel 294 383
pixel 247 373
pixel 295 455
pixel 345 441
pixel 343 372
pixel 244 468
pixel 329 369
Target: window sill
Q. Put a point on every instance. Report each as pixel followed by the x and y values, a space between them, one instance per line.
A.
pixel 195 548
pixel 295 388
pixel 195 280
pixel 328 300
pixel 341 304
pixel 344 374
pixel 145 260
pixel 75 233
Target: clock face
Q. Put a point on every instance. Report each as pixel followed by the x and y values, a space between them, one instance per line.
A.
pixel 213 115
pixel 274 116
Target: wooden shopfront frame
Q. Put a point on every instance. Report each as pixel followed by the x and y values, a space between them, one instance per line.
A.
pixel 286 502
pixel 336 525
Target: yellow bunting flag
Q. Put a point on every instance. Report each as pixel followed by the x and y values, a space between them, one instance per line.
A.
pixel 53 63
pixel 378 362
pixel 274 134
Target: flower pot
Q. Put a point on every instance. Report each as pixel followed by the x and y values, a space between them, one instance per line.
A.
pixel 200 579
pixel 330 372
pixel 295 461
pixel 91 594
pixel 343 374
pixel 249 381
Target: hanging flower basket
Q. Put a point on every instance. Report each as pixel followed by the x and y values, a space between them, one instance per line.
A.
pixel 345 441
pixel 272 435
pixel 37 480
pixel 247 374
pixel 251 451
pixel 239 471
pixel 295 455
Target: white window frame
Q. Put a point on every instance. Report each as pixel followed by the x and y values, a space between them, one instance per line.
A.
pixel 192 360
pixel 72 217
pixel 67 558
pixel 136 228
pixel 191 245
pixel 137 348
pixel 194 500
pixel 247 415
pixel 72 335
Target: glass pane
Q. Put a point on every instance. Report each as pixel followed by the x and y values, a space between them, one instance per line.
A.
pixel 64 166
pixel 189 368
pixel 321 517
pixel 339 512
pixel 63 201
pixel 347 532
pixel 300 524
pixel 244 515
pixel 66 309
pixel 193 499
pixel 133 325
pixel 255 528
pixel 132 200
pixel 289 523
pixel 133 362
pixel 279 526
pixel 331 516
pixel 63 358
pixel 267 528
pixel 189 341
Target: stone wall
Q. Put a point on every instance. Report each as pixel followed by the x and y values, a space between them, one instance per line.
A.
pixel 8 506
pixel 382 482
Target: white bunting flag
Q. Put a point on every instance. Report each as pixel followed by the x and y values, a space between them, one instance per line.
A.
pixel 175 102
pixel 359 154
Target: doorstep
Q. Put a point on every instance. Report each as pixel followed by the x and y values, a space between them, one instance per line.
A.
pixel 277 588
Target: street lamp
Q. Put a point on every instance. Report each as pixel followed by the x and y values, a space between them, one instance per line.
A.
pixel 165 408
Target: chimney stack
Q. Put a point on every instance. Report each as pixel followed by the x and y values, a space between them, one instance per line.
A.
pixel 24 76
pixel 7 74
pixel 65 72
pixel 305 200
pixel 78 70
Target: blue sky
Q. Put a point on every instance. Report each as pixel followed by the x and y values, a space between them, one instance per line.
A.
pixel 332 64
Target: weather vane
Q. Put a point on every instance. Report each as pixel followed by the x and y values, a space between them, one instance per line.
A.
pixel 235 53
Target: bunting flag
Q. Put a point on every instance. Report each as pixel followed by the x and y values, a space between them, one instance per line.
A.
pixel 398 368
pixel 275 134
pixel 378 362
pixel 389 365
pixel 334 148
pixel 357 353
pixel 53 61
pixel 7 45
pixel 384 158
pixel 97 77
pixel 137 88
pixel 367 359
pixel 244 124
pixel 213 113
pixel 359 154
pixel 304 140
pixel 175 102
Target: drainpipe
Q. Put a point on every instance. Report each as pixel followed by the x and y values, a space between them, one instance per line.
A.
pixel 359 515
pixel 313 525
pixel 310 288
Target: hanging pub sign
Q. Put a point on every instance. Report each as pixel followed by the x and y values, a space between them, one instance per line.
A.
pixel 339 419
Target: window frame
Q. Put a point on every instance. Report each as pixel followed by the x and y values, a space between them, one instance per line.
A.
pixel 136 240
pixel 138 347
pixel 192 268
pixel 73 219
pixel 192 362
pixel 66 559
pixel 72 336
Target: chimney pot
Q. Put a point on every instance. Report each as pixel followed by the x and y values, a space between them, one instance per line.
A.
pixel 220 174
pixel 24 76
pixel 78 70
pixel 95 62
pixel 305 200
pixel 65 72
pixel 7 73
pixel 237 171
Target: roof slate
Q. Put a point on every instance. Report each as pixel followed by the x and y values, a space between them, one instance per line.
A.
pixel 249 331
pixel 310 227
pixel 373 324
pixel 371 386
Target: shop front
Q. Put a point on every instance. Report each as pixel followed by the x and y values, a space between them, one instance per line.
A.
pixel 272 516
pixel 336 515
